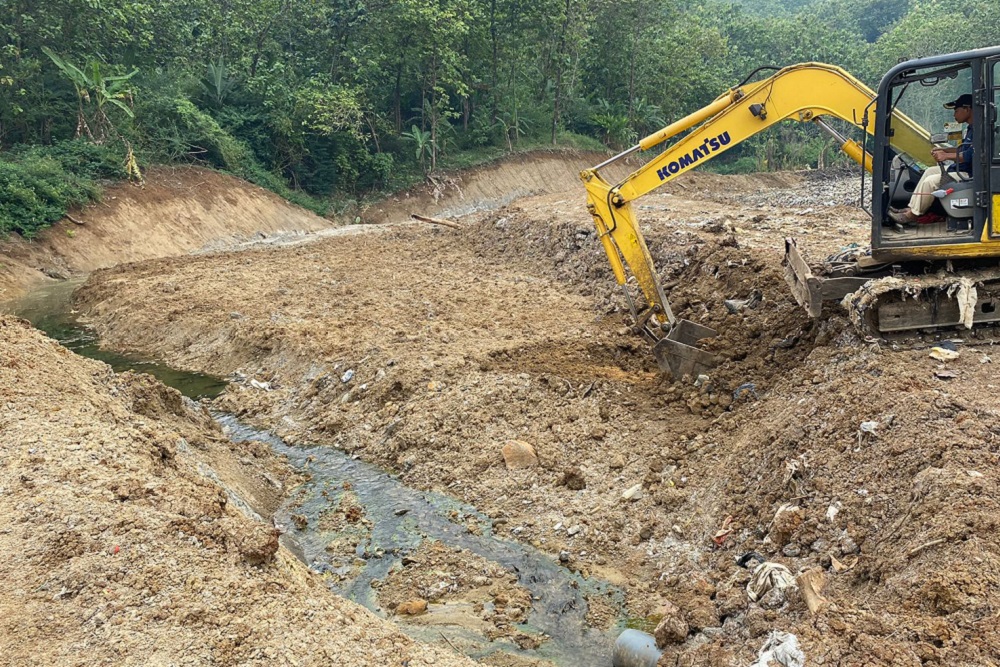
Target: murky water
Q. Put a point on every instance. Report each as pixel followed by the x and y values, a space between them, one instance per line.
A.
pixel 400 517
pixel 50 310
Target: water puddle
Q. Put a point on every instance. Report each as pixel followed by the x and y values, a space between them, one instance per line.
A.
pixel 400 519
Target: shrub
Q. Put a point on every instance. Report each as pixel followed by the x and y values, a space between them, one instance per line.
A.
pixel 39 184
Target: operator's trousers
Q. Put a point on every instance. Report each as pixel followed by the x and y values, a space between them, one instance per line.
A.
pixel 923 196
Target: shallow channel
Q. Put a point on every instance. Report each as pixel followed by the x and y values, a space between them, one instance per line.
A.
pixel 401 517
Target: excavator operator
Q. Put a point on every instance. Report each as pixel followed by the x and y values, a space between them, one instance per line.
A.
pixel 961 168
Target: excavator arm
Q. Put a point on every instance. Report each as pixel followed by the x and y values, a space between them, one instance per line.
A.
pixel 804 93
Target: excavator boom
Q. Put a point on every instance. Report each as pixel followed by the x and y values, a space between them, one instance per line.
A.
pixel 804 93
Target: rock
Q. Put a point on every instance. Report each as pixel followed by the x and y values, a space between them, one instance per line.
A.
pixel 617 462
pixel 848 546
pixel 412 607
pixel 55 273
pixel 633 493
pixel 563 556
pixel 672 629
pixel 259 545
pixel 518 454
pixel 574 480
pixel 573 530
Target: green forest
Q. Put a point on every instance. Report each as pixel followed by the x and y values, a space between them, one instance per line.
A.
pixel 327 102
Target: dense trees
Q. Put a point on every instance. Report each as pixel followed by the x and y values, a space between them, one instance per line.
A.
pixel 320 97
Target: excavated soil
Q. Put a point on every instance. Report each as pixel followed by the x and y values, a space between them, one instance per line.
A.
pixel 425 349
pixel 120 546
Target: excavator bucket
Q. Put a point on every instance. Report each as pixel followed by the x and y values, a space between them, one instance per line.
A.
pixel 678 353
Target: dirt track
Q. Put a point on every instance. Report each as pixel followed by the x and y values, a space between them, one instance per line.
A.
pixel 511 329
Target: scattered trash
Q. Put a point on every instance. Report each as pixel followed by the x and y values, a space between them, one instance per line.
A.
pixel 839 566
pixel 781 648
pixel 810 585
pixel 347 376
pixel 266 386
pixel 702 379
pixel 736 305
pixel 832 511
pixel 745 388
pixel 945 375
pixel 768 576
pixel 744 559
pixel 949 345
pixel 721 534
pixel 867 428
pixel 985 359
pixel 943 354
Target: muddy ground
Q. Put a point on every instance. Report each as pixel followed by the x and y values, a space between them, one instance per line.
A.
pixel 426 349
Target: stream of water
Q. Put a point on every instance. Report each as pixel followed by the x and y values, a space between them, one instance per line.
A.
pixel 401 517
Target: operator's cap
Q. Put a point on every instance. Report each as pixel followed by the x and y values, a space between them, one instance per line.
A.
pixel 962 101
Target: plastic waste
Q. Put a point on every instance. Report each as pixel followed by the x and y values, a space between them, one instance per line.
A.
pixel 768 576
pixel 781 648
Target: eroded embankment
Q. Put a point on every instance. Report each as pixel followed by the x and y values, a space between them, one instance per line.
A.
pixel 425 350
pixel 176 211
pixel 119 544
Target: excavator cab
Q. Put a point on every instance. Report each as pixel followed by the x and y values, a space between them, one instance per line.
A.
pixel 921 90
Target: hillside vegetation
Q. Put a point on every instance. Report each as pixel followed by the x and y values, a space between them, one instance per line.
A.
pixel 327 102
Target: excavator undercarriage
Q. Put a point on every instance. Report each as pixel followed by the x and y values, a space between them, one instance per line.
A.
pixel 884 300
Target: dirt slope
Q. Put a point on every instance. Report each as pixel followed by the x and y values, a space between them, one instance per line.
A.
pixel 120 547
pixel 177 210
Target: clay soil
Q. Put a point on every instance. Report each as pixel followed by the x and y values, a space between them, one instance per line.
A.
pixel 424 349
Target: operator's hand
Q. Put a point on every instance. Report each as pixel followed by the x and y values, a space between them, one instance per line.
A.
pixel 942 154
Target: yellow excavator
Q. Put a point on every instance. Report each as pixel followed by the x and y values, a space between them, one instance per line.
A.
pixel 941 271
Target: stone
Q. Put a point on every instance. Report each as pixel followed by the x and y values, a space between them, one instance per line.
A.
pixel 633 493
pixel 518 454
pixel 672 628
pixel 617 462
pixel 412 607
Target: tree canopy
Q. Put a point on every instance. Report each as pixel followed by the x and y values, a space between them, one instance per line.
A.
pixel 327 99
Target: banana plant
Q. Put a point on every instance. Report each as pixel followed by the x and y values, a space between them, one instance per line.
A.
pixel 217 82
pixel 423 143
pixel 94 91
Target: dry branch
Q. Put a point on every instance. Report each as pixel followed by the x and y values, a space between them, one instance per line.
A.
pixel 435 221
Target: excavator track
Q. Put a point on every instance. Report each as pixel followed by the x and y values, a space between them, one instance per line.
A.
pixel 895 305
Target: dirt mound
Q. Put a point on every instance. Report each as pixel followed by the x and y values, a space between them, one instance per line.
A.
pixel 177 211
pixel 119 542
